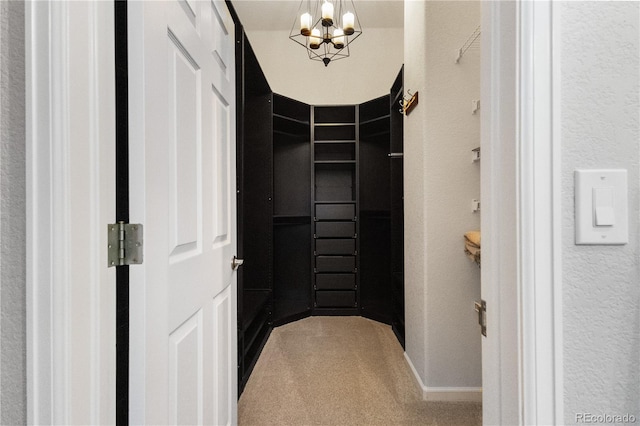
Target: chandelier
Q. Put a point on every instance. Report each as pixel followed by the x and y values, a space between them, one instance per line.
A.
pixel 326 28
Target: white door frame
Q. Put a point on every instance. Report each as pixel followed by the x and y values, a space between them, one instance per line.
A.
pixel 521 222
pixel 529 300
pixel 70 163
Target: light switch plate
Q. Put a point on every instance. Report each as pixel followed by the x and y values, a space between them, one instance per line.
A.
pixel 603 192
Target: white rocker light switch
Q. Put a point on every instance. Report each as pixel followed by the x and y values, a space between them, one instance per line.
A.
pixel 601 207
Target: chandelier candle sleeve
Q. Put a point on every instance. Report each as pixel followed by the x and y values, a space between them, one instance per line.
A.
pixel 305 24
pixel 327 14
pixel 315 39
pixel 338 38
pixel 348 23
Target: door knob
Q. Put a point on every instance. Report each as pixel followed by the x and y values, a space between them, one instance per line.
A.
pixel 235 263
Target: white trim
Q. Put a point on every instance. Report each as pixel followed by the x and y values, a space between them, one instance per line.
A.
pixel 44 359
pixel 415 373
pixel 444 393
pixel 540 218
pixel 469 394
pixel 521 223
pixel 70 166
pixel 500 363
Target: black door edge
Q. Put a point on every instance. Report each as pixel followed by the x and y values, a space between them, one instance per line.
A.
pixel 122 208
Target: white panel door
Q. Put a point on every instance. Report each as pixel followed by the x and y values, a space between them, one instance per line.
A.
pixel 182 183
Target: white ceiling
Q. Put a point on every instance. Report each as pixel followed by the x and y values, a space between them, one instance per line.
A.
pixel 264 15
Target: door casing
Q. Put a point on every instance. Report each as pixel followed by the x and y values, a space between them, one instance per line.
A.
pixel 521 216
pixel 530 297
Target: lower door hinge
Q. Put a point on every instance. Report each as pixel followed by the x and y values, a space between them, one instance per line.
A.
pixel 481 309
pixel 124 244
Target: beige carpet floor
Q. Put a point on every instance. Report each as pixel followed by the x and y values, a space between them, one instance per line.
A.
pixel 340 371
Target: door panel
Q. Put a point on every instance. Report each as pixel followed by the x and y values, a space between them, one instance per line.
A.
pixel 221 160
pixel 182 159
pixel 186 150
pixel 224 395
pixel 185 369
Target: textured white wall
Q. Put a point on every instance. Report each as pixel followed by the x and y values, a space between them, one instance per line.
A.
pixel 441 283
pixel 601 129
pixel 376 58
pixel 12 216
pixel 415 289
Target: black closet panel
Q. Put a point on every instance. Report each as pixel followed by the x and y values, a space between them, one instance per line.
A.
pixel 335 212
pixel 254 183
pixel 335 263
pixel 335 299
pixel 335 282
pixel 257 191
pixel 335 114
pixel 375 210
pixel 291 176
pixel 335 182
pixel 292 267
pixel 397 210
pixel 375 170
pixel 344 132
pixel 333 246
pixel 292 244
pixel 335 151
pixel 335 229
pixel 375 267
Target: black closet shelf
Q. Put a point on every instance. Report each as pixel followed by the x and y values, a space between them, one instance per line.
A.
pixel 375 214
pixel 336 202
pixel 375 120
pixel 254 301
pixel 290 126
pixel 291 220
pixel 334 141
pixel 334 124
pixel 303 137
pixel 341 312
pixel 253 333
pixel 290 119
pixel 335 162
pixel 364 135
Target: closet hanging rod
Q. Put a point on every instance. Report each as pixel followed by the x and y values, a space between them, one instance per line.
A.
pixel 395 155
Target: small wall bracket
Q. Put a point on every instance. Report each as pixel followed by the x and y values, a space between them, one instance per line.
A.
pixel 481 309
pixel 475 155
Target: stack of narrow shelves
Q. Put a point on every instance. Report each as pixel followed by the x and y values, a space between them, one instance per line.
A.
pixel 374 218
pixel 335 206
pixel 255 238
pixel 291 210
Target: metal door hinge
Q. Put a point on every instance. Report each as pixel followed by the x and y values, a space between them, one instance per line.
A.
pixel 124 243
pixel 481 309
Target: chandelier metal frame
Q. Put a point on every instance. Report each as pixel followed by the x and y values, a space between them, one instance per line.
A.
pixel 326 51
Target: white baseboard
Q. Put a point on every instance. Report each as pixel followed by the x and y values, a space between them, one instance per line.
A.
pixel 445 393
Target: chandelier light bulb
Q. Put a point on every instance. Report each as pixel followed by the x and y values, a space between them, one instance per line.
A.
pixel 315 39
pixel 327 14
pixel 348 23
pixel 338 38
pixel 305 24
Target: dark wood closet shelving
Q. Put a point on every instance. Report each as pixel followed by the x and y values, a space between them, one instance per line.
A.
pixel 397 210
pixel 319 210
